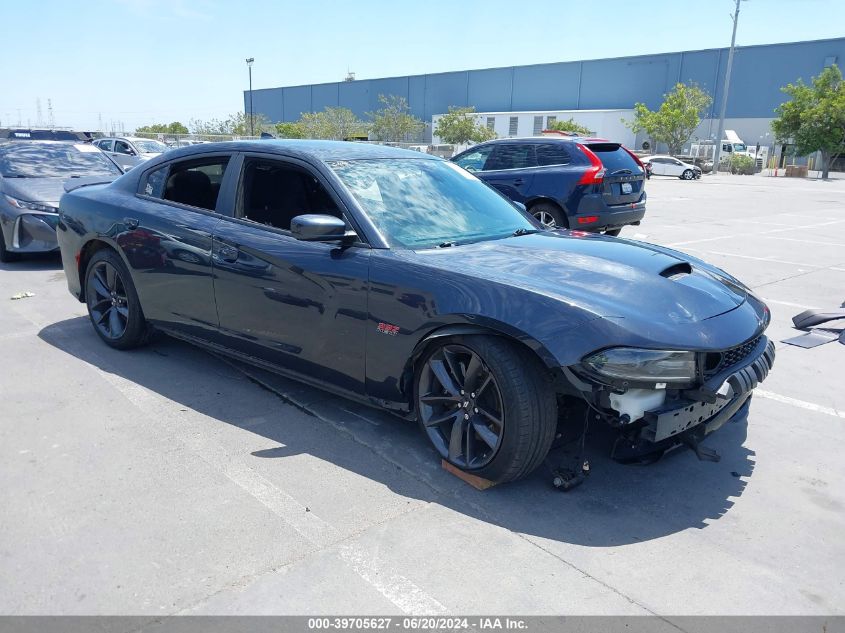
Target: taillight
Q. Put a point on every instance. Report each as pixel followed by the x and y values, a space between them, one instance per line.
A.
pixel 595 172
pixel 588 219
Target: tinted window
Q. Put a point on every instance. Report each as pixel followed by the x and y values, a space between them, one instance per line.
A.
pixel 153 184
pixel 274 193
pixel 196 182
pixel 418 203
pixel 474 159
pixel 54 160
pixel 105 145
pixel 121 147
pixel 553 154
pixel 614 157
pixel 512 156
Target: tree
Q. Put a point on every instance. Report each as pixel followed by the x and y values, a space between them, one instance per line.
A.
pixel 814 119
pixel 569 125
pixel 237 124
pixel 331 123
pixel 162 128
pixel 675 120
pixel 459 127
pixel 394 121
pixel 288 130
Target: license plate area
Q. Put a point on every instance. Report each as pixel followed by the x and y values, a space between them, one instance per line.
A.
pixel 627 187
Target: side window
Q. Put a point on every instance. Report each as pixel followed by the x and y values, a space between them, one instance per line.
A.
pixel 196 182
pixel 474 159
pixel 512 156
pixel 122 147
pixel 553 154
pixel 105 145
pixel 273 193
pixel 153 184
pixel 726 147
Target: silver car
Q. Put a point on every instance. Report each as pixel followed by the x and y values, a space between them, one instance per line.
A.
pixel 32 177
pixel 128 151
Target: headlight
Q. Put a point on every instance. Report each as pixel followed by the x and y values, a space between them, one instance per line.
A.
pixel 643 365
pixel 32 206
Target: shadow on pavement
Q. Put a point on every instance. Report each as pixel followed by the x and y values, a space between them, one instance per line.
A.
pixel 34 261
pixel 617 505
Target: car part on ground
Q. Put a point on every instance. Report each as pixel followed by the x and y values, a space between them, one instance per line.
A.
pixel 567 181
pixel 439 300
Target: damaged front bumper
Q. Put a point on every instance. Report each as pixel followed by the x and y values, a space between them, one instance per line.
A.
pixel 688 415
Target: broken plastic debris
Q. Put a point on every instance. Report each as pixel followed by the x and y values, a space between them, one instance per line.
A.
pixel 23 295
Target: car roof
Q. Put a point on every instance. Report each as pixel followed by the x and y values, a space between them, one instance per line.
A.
pixel 321 150
pixel 549 139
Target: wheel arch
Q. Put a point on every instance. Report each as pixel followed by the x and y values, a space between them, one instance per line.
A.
pixel 87 251
pixel 522 340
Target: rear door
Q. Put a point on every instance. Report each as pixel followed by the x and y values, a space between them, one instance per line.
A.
pixel 510 169
pixel 624 179
pixel 167 240
pixel 658 166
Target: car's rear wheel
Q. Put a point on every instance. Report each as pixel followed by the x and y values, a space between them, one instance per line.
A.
pixel 486 406
pixel 6 255
pixel 549 215
pixel 688 174
pixel 113 304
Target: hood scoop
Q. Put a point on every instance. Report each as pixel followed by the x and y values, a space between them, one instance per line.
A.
pixel 677 271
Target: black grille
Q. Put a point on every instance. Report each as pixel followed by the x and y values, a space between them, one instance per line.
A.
pixel 720 361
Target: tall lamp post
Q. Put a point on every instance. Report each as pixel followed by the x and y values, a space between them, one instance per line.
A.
pixel 718 149
pixel 249 61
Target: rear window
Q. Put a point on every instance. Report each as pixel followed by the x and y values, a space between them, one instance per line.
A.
pixel 614 157
pixel 512 156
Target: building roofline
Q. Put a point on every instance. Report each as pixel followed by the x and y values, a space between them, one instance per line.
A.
pixel 537 65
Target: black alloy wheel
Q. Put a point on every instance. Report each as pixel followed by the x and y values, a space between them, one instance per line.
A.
pixel 107 300
pixel 461 407
pixel 112 302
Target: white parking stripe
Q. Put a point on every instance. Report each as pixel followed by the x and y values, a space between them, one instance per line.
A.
pixel 759 259
pixel 802 404
pixel 790 304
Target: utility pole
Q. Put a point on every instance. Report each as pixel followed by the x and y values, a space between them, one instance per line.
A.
pixel 249 61
pixel 718 149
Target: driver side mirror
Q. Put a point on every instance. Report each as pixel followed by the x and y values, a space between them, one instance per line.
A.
pixel 314 227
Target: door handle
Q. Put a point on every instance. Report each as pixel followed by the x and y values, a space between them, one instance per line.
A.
pixel 131 223
pixel 227 253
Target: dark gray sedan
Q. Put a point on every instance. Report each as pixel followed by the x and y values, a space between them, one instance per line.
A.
pixel 32 176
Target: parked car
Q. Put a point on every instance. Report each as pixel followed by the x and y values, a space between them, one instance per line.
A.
pixel 401 280
pixel 128 151
pixel 572 182
pixel 32 174
pixel 671 166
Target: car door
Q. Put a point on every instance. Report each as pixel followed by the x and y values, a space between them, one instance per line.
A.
pixel 124 155
pixel 658 166
pixel 168 241
pixel 674 167
pixel 509 169
pixel 301 306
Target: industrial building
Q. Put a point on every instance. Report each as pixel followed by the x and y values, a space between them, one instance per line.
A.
pixel 581 89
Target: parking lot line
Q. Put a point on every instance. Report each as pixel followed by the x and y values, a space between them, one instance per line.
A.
pixel 790 304
pixel 759 259
pixel 802 404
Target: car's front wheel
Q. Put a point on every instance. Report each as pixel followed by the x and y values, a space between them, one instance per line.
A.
pixel 112 302
pixel 487 406
pixel 688 174
pixel 549 215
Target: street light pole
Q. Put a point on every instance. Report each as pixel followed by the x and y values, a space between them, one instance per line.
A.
pixel 251 114
pixel 718 149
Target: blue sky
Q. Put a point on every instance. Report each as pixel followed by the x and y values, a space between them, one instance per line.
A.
pixel 145 61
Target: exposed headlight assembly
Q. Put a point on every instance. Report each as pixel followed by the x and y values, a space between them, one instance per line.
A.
pixel 32 206
pixel 643 365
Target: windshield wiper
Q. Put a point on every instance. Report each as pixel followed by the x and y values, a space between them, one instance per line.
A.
pixel 446 244
pixel 621 171
pixel 523 231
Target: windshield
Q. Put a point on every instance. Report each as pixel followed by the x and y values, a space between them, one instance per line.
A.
pixel 59 160
pixel 740 147
pixel 151 147
pixel 419 203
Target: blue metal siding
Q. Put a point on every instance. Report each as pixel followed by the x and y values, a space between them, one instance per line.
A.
pixel 758 74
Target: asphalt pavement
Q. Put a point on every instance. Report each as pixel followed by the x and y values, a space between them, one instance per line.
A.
pixel 169 481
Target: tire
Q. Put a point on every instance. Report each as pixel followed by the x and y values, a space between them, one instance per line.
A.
pixel 6 256
pixel 613 232
pixel 113 305
pixel 506 426
pixel 688 174
pixel 549 215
